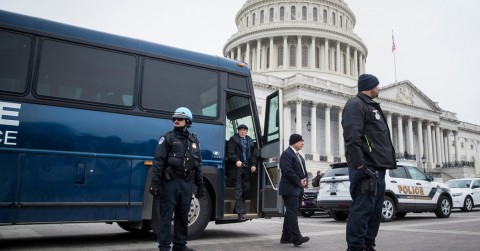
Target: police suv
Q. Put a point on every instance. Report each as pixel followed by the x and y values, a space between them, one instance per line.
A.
pixel 407 190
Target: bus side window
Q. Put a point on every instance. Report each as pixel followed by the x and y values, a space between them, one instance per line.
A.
pixel 14 59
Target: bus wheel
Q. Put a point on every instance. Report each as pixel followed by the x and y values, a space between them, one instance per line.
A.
pixel 198 216
pixel 135 227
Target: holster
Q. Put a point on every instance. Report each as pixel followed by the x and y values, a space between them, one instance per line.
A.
pixel 168 174
pixel 368 185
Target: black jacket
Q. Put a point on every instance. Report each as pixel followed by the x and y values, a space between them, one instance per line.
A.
pixel 366 134
pixel 234 151
pixel 179 150
pixel 292 173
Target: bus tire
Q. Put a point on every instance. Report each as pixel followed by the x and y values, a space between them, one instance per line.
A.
pixel 198 216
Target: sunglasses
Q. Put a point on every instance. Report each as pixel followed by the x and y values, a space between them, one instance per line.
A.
pixel 178 119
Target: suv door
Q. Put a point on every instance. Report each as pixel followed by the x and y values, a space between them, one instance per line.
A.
pixel 476 192
pixel 399 182
pixel 423 190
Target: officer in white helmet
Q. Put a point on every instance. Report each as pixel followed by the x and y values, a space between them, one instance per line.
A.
pixel 177 163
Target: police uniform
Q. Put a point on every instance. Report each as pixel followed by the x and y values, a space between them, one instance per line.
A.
pixel 177 163
pixel 368 144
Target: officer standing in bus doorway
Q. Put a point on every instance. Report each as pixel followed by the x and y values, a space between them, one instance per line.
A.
pixel 369 152
pixel 177 162
pixel 292 185
pixel 242 160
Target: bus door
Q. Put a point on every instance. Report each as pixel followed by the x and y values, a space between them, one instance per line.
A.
pixel 239 111
pixel 272 204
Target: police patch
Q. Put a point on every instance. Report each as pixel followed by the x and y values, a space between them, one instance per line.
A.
pixel 161 140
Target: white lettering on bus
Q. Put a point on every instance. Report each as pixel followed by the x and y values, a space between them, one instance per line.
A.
pixel 9 138
pixel 3 113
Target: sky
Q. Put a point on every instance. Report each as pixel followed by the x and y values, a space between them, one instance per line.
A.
pixel 437 41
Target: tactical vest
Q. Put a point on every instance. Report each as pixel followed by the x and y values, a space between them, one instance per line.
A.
pixel 183 154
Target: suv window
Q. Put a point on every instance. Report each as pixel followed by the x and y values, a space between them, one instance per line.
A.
pixel 415 173
pixel 340 171
pixel 399 173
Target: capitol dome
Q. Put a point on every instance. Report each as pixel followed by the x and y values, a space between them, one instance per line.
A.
pixel 283 38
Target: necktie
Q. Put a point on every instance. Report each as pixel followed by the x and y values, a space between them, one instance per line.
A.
pixel 301 163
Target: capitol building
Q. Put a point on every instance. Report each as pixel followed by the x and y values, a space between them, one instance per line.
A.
pixel 308 49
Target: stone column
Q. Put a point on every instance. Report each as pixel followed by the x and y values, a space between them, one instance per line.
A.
pixel 287 122
pixel 313 133
pixel 420 140
pixel 338 57
pixel 410 135
pixel 259 49
pixel 438 145
pixel 389 123
pixel 285 51
pixel 247 55
pixel 341 142
pixel 360 66
pixel 313 54
pixel 299 52
pixel 328 145
pixel 347 64
pixel 298 116
pixel 449 143
pixel 355 63
pixel 271 54
pixel 232 55
pixel 442 146
pixel 401 149
pixel 429 143
pixel 325 56
pixel 239 53
pixel 457 152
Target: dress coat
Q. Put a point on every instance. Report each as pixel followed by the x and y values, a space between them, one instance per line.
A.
pixel 292 173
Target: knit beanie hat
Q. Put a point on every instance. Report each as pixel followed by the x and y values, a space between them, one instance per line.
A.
pixel 294 138
pixel 367 82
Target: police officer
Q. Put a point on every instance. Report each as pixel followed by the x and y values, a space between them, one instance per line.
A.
pixel 369 153
pixel 177 163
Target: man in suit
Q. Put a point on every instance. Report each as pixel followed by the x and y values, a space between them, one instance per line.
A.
pixel 292 184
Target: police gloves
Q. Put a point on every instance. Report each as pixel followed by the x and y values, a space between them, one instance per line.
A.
pixel 200 191
pixel 155 186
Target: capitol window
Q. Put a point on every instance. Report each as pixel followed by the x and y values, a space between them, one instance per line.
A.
pixel 280 55
pixel 315 15
pixel 341 22
pixel 304 13
pixel 253 19
pixel 333 18
pixel 271 15
pixel 293 55
pixel 324 16
pixel 262 16
pixel 292 13
pixel 305 56
pixel 282 13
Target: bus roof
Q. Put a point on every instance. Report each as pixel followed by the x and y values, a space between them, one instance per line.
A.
pixel 45 27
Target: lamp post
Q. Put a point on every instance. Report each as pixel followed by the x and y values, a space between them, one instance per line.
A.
pixel 424 160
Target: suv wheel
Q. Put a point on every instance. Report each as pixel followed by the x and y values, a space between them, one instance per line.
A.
pixel 468 204
pixel 339 216
pixel 444 207
pixel 388 209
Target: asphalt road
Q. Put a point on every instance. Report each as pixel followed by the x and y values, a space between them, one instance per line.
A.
pixel 414 232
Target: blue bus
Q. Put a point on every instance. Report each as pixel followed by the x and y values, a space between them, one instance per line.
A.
pixel 81 112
